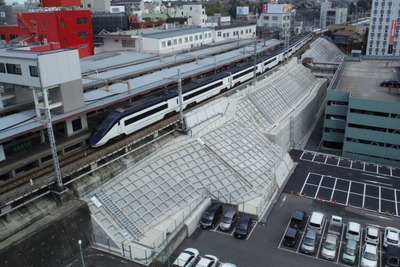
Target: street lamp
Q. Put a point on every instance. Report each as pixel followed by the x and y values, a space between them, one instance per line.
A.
pixel 80 249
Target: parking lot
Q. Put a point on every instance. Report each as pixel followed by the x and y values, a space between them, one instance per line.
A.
pixel 340 246
pixel 358 192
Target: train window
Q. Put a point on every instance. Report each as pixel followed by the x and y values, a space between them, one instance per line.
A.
pixel 2 68
pixel 145 114
pixel 243 73
pixel 202 91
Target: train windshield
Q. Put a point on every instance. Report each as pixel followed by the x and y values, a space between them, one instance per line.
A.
pixel 106 123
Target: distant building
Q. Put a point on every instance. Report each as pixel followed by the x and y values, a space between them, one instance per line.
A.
pixel 348 38
pixel 330 15
pixel 196 14
pixel 164 41
pixel 383 35
pixel 67 28
pixel 277 16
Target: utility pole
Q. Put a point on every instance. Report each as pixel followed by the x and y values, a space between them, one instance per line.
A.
pixel 181 116
pixel 255 64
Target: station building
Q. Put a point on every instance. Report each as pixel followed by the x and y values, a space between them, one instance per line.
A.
pixel 164 41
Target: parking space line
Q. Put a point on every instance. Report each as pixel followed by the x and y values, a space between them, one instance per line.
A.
pixel 348 194
pixel 319 186
pixel 363 202
pixel 305 182
pixel 333 190
pixel 395 201
pixel 380 198
pixel 315 154
pixel 364 167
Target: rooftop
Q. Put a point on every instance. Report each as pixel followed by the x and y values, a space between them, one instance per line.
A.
pixel 362 79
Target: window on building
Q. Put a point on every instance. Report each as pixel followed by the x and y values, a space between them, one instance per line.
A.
pixel 191 38
pixel 275 18
pixel 186 39
pixel 163 44
pixel 33 23
pixel 266 17
pixel 81 21
pixel 13 36
pixel 241 32
pixel 2 68
pixel 116 41
pixel 180 40
pixel 219 34
pixel 2 37
pixel 227 34
pixel 128 43
pixel 76 124
pixel 34 71
pixel 196 38
pixel 83 33
pixel 175 41
pixel 169 43
pixel 209 35
pixel 190 8
pixel 14 69
pixel 200 36
pixel 43 24
pixel 82 45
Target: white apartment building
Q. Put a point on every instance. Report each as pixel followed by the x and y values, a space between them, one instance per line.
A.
pixel 331 16
pixel 383 36
pixel 277 15
pixel 196 14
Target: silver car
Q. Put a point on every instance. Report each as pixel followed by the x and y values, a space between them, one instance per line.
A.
pixel 309 242
pixel 329 247
pixel 228 220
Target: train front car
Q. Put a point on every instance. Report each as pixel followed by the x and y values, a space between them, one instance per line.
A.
pixel 100 135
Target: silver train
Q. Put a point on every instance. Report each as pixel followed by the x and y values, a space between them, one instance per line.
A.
pixel 138 115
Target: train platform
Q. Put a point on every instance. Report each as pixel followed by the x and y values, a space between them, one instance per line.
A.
pixel 23 156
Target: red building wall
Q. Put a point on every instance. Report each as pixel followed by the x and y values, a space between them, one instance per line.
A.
pixel 72 29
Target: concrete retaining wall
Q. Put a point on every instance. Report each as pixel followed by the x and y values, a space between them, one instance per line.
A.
pixel 52 241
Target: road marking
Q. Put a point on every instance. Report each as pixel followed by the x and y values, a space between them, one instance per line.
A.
pixel 333 190
pixel 375 182
pixel 348 194
pixel 319 186
pixel 378 216
pixel 377 176
pixel 363 201
pixel 283 200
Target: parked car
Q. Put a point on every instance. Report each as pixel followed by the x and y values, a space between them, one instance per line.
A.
pixel 309 242
pixel 350 251
pixel 211 216
pixel 335 225
pixel 298 219
pixel 228 220
pixel 317 221
pixel 353 231
pixel 187 258
pixel 243 227
pixel 208 261
pixel 369 256
pixel 227 264
pixel 391 236
pixel 290 238
pixel 329 247
pixel 372 234
pixel 392 83
pixel 392 256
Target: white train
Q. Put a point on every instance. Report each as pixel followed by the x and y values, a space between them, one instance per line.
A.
pixel 140 114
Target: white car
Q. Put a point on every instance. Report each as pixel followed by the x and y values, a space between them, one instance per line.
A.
pixel 372 235
pixel 208 261
pixel 226 264
pixel 369 256
pixel 187 258
pixel 328 251
pixel 391 237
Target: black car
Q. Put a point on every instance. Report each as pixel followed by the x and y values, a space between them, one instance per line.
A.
pixel 298 219
pixel 211 216
pixel 243 227
pixel 290 238
pixel 392 83
pixel 392 256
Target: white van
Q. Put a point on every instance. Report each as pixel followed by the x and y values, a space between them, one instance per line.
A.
pixel 317 221
pixel 353 231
